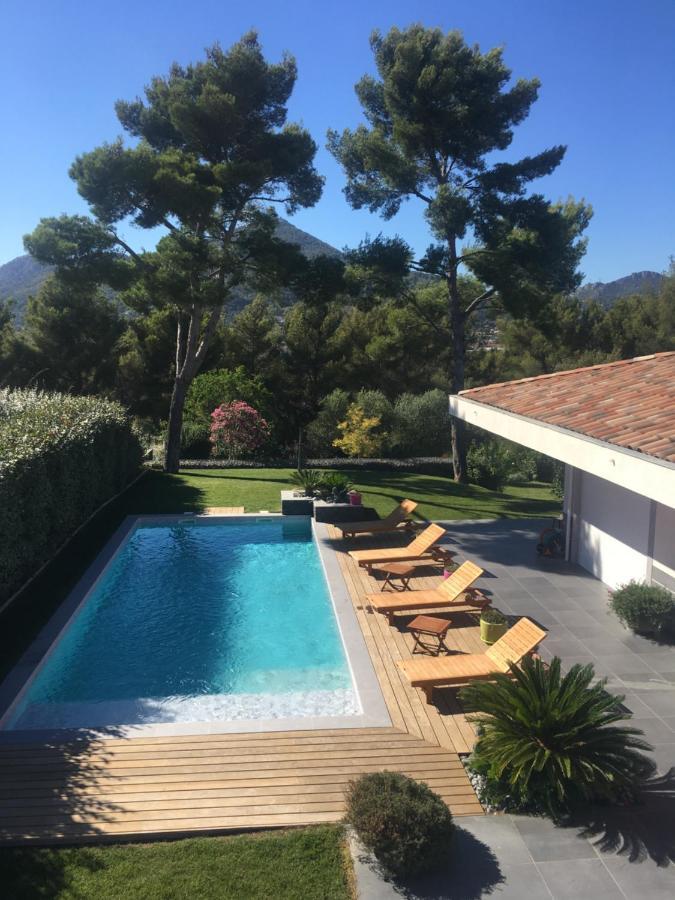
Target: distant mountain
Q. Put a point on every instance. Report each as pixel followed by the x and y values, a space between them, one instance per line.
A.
pixel 607 292
pixel 21 277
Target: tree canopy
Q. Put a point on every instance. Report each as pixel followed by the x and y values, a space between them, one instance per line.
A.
pixel 211 150
pixel 436 114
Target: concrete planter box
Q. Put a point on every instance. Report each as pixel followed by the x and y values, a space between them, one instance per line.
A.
pixel 296 506
pixel 322 510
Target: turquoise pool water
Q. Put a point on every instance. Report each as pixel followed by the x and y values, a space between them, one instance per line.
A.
pixel 197 620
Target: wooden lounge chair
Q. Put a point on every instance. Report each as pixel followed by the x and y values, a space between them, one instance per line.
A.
pixel 398 519
pixel 420 548
pixel 446 594
pixel 462 668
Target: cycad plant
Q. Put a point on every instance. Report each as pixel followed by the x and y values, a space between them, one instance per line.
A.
pixel 547 740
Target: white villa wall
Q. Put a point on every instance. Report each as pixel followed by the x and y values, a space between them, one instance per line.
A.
pixel 663 555
pixel 611 530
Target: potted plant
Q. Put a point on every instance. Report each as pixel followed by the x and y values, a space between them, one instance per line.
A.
pixel 334 487
pixel 308 480
pixel 493 624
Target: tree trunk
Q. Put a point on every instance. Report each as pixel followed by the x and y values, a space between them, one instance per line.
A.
pixel 458 327
pixel 173 434
pixel 192 343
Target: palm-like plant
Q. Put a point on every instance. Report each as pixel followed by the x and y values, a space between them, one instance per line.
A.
pixel 548 740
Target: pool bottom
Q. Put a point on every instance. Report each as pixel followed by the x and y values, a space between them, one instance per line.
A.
pixel 209 708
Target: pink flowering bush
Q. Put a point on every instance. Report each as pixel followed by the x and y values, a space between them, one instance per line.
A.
pixel 237 429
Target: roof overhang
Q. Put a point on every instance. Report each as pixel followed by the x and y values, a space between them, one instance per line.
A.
pixel 645 475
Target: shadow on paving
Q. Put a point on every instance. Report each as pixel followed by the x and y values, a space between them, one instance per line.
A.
pixel 638 833
pixel 472 872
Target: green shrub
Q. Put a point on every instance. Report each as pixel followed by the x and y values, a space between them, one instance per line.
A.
pixel 307 479
pixel 334 485
pixel 321 432
pixel 210 389
pixel 421 424
pixel 548 741
pixel 487 464
pixel 195 441
pixel 403 822
pixel 646 608
pixel 61 457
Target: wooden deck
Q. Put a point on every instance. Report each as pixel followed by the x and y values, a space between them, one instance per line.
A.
pixel 119 788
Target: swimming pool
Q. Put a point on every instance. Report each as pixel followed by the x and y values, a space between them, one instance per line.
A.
pixel 201 619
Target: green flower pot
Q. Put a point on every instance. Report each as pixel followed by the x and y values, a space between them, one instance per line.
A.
pixel 491 631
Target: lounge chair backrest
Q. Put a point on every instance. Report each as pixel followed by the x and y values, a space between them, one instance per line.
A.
pixel 425 540
pixel 401 512
pixel 461 579
pixel 518 641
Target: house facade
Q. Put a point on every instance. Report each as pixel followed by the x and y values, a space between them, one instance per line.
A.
pixel 613 426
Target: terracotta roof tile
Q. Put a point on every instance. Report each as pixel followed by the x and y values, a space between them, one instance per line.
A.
pixel 630 403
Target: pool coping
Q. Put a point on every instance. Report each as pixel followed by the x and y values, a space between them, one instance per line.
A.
pixel 374 712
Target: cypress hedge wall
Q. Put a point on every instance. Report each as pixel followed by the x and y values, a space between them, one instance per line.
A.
pixel 61 457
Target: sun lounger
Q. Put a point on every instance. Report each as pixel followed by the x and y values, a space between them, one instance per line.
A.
pixel 418 549
pixel 398 519
pixel 446 594
pixel 461 668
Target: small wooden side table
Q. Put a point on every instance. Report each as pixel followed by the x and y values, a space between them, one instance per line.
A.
pixel 402 572
pixel 432 627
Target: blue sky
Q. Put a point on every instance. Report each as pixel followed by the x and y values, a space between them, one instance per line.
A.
pixel 608 91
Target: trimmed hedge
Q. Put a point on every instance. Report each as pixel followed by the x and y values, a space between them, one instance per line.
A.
pixel 61 457
pixel 423 465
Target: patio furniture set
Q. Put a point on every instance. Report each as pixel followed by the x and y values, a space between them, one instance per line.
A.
pixel 456 593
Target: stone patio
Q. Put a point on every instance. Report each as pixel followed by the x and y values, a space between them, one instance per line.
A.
pixel 573 606
pixel 607 853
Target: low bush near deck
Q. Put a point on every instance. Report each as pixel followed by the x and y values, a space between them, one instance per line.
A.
pixel 61 457
pixel 547 741
pixel 402 822
pixel 646 608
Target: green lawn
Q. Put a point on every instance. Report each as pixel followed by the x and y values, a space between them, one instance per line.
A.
pixel 308 863
pixel 254 489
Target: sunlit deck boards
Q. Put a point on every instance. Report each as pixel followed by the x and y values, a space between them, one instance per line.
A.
pixel 224 511
pixel 120 788
pixel 164 786
pixel 442 723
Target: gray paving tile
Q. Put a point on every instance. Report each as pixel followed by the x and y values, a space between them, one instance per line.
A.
pixel 638 708
pixel 501 836
pixel 622 663
pixel 664 757
pixel 656 731
pixel 576 617
pixel 520 883
pixel 608 645
pixel 586 878
pixel 670 722
pixel 645 879
pixel 566 645
pixel 639 644
pixel 547 843
pixel 662 702
pixel 659 660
